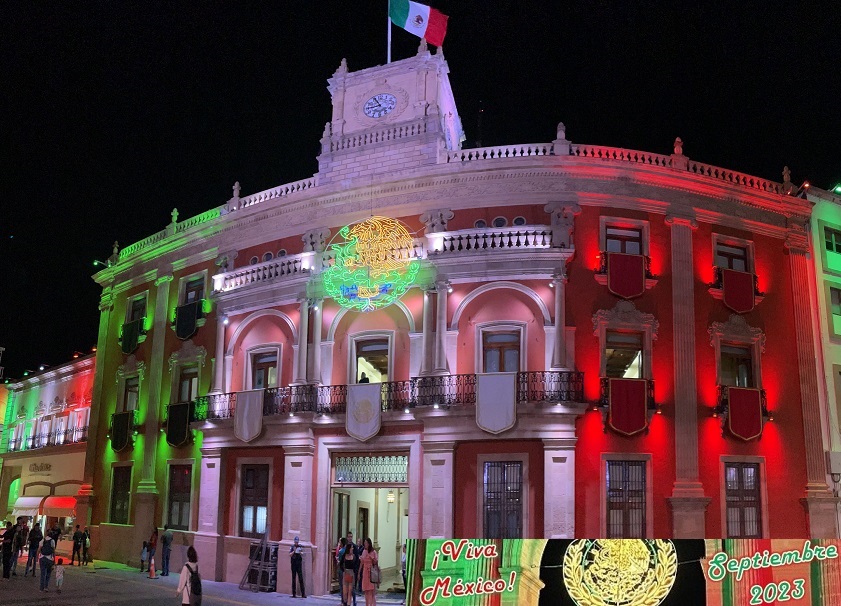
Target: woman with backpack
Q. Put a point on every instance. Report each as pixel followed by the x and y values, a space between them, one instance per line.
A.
pixel 189 583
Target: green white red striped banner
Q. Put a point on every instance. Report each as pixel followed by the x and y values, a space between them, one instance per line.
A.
pixel 419 19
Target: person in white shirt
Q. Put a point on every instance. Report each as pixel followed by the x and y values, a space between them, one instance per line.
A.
pixel 186 588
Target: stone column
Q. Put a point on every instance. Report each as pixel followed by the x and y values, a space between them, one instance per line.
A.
pixel 428 334
pixel 219 362
pixel 687 501
pixel 297 509
pixel 441 366
pixel 99 412
pixel 438 477
pixel 559 351
pixel 819 502
pixel 210 536
pixel 303 336
pixel 147 489
pixel 315 370
pixel 558 488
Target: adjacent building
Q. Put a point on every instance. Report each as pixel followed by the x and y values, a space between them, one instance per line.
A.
pixel 44 442
pixel 547 340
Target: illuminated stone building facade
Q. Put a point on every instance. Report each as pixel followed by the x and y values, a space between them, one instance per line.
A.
pixel 44 441
pixel 593 342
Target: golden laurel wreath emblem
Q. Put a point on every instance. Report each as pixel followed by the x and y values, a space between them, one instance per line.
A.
pixel 619 572
pixel 363 412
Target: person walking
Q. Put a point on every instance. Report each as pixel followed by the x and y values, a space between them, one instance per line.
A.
pixel 144 555
pixel 166 549
pixel 297 559
pixel 78 540
pixel 348 567
pixel 153 547
pixel 34 539
pixel 8 550
pixel 368 560
pixel 59 575
pixel 86 545
pixel 189 583
pixel 359 549
pixel 17 545
pixel 403 571
pixel 47 559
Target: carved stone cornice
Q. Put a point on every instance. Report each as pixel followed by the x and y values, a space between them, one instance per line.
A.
pixel 106 302
pixel 187 354
pixel 797 240
pixel 736 329
pixel 673 220
pixel 130 368
pixel 163 279
pixel 436 220
pixel 625 315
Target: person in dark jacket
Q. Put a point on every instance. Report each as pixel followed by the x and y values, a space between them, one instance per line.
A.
pixel 348 567
pixel 34 540
pixel 78 540
pixel 8 550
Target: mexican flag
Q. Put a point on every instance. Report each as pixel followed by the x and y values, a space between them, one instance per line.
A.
pixel 419 19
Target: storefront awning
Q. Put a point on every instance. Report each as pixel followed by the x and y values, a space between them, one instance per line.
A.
pixel 27 506
pixel 59 507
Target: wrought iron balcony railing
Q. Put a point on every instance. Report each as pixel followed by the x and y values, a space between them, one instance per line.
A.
pixel 604 395
pixel 603 266
pixel 550 386
pixel 72 435
pixel 718 282
pixel 722 402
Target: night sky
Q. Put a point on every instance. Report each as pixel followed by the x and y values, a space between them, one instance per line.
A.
pixel 114 113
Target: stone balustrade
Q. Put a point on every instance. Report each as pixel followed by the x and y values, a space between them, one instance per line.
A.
pixel 378 136
pixel 290 265
pixel 492 238
pixel 281 191
pixel 735 178
pixel 599 152
pixel 500 151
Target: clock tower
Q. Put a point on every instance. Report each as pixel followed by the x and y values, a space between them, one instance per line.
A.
pixel 389 119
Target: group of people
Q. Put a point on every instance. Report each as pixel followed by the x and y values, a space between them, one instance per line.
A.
pixel 42 550
pixel 358 569
pixel 150 547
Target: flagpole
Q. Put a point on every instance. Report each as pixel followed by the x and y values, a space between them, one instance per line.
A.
pixel 388 18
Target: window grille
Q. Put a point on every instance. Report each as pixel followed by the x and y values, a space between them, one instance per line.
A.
pixel 180 480
pixel 625 484
pixel 744 511
pixel 120 491
pixel 503 501
pixel 254 501
pixel 372 470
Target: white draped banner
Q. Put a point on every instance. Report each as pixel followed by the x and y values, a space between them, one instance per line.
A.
pixel 496 401
pixel 364 411
pixel 248 418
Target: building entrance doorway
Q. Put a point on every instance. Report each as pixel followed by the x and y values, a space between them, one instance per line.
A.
pixel 370 499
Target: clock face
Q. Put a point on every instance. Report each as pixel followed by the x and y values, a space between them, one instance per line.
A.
pixel 379 105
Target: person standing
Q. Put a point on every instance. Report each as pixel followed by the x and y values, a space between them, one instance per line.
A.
pixel 59 575
pixel 78 539
pixel 297 558
pixel 166 549
pixel 348 567
pixel 34 539
pixel 86 545
pixel 368 560
pixel 403 571
pixel 20 540
pixel 153 547
pixel 47 559
pixel 189 583
pixel 359 549
pixel 8 550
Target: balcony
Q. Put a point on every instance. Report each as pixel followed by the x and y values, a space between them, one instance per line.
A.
pixel 434 392
pixel 73 435
pixel 723 405
pixel 604 395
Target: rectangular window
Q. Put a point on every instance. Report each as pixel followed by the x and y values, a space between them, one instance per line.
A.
pixel 263 370
pixel 137 308
pixel 835 301
pixel 188 384
pixel 501 351
pixel 728 256
pixel 626 487
pixel 120 491
pixel 503 499
pixel 372 361
pixel 833 239
pixel 131 393
pixel 194 290
pixel 623 355
pixel 180 484
pixel 626 240
pixel 736 366
pixel 744 511
pixel 254 500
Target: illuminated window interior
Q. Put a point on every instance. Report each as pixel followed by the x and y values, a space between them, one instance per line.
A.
pixel 194 290
pixel 744 512
pixel 131 393
pixel 832 238
pixel 626 240
pixel 188 384
pixel 501 351
pixel 623 355
pixel 254 500
pixel 264 370
pixel 736 366
pixel 137 308
pixel 728 256
pixel 372 361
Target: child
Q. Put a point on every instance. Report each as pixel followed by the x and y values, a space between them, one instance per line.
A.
pixel 59 574
pixel 144 554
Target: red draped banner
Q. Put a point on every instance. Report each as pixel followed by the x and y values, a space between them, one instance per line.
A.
pixel 738 290
pixel 627 412
pixel 744 412
pixel 625 275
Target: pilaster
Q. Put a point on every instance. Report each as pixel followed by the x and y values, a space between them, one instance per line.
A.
pixel 441 366
pixel 559 488
pixel 559 350
pixel 303 337
pixel 314 374
pixel 298 491
pixel 219 362
pixel 688 502
pixel 427 363
pixel 209 540
pixel 438 477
